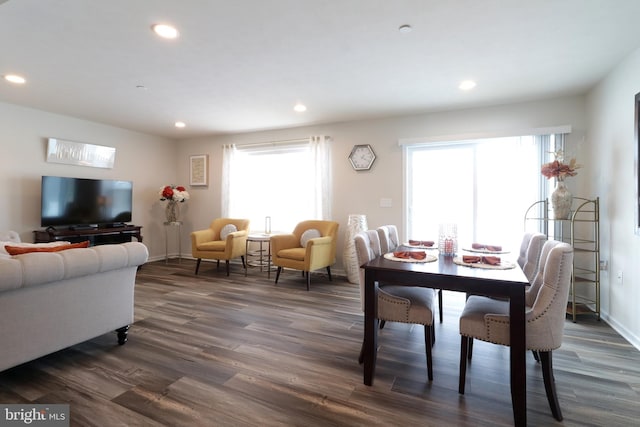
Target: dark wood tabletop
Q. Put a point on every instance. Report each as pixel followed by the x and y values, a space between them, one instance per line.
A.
pixel 445 274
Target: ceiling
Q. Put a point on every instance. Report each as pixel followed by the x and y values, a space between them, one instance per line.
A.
pixel 242 65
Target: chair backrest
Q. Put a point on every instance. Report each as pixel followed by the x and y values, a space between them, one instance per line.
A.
pixel 326 228
pixel 524 245
pixel 217 224
pixel 538 277
pixel 532 255
pixel 388 235
pixel 547 316
pixel 367 246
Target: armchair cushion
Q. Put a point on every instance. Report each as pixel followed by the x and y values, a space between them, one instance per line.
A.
pixel 226 230
pixel 309 234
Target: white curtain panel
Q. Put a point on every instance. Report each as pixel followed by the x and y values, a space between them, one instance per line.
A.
pixel 228 154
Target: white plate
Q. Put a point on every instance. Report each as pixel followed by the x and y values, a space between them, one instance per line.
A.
pixel 504 265
pixel 429 258
pixel 485 251
pixel 408 245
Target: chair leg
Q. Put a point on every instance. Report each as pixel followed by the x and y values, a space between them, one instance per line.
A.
pixel 198 265
pixel 433 334
pixel 550 384
pixel 329 273
pixel 470 349
pixel 217 264
pixel 440 303
pixel 536 356
pixel 308 279
pixel 428 341
pixel 278 273
pixel 227 266
pixel 382 322
pixel 464 347
pixel 243 264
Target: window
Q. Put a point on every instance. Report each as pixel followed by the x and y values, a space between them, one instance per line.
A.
pixel 286 181
pixel 484 186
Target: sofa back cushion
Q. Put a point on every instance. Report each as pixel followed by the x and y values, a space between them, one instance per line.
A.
pixel 19 250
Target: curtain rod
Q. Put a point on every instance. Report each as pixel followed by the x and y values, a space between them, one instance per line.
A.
pixel 271 143
pixel 485 135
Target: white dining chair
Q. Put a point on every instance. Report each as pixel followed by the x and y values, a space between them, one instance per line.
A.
pixel 530 250
pixel 389 242
pixel 397 303
pixel 487 319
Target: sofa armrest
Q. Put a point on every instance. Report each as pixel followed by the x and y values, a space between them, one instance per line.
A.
pixel 237 243
pixel 201 236
pixel 283 241
pixel 319 252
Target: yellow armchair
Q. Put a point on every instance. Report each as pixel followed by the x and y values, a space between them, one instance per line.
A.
pixel 212 243
pixel 287 250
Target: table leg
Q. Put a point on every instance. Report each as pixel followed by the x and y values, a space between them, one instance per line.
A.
pixel 246 255
pixel 179 243
pixel 166 244
pixel 370 345
pixel 261 256
pixel 269 259
pixel 518 353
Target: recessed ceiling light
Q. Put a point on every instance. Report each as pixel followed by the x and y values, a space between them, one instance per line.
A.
pixel 300 108
pixel 14 78
pixel 467 85
pixel 404 29
pixel 165 31
pixel 180 124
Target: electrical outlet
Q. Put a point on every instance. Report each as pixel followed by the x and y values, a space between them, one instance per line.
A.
pixel 604 265
pixel 619 276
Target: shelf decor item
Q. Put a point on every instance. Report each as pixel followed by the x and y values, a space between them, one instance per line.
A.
pixel 561 201
pixel 561 198
pixel 173 194
pixel 356 224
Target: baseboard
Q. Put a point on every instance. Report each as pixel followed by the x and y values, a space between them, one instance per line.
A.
pixel 625 333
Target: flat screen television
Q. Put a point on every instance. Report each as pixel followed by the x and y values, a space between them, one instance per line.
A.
pixel 81 202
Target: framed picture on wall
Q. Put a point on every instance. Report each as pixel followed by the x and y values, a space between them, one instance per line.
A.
pixel 199 170
pixel 636 136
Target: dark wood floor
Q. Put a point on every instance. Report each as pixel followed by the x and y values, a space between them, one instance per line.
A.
pixel 211 350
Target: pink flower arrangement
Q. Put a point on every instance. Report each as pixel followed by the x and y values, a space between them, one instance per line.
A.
pixel 558 169
pixel 176 193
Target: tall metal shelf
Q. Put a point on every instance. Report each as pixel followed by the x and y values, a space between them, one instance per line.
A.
pixel 582 231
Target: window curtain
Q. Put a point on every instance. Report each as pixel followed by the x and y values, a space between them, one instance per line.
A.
pixel 321 157
pixel 304 164
pixel 229 153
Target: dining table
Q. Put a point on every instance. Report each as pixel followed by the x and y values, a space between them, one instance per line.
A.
pixel 444 273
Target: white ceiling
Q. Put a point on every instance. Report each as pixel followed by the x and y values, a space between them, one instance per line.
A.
pixel 241 65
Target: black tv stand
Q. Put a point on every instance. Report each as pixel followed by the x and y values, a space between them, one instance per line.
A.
pixel 113 225
pixel 83 227
pixel 97 236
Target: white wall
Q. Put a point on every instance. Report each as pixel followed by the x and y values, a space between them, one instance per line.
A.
pixel 360 192
pixel 148 161
pixel 611 148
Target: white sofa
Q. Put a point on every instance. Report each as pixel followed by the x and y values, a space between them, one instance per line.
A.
pixel 53 300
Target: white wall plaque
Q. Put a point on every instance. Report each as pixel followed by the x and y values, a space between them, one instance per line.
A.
pixel 79 153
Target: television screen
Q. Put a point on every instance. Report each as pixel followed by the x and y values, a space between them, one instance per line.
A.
pixel 78 201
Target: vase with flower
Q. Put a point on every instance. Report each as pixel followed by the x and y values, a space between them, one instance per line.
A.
pixel 173 194
pixel 561 198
